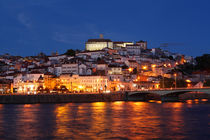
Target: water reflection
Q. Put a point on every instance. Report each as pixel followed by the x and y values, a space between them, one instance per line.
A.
pixel 176 122
pixel 100 120
pixel 1 121
pixel 62 119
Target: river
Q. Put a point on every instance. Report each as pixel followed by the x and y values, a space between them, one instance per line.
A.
pixel 105 120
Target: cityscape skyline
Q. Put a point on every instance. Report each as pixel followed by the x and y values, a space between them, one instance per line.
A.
pixel 95 69
pixel 30 27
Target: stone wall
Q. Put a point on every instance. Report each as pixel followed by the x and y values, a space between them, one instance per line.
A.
pixel 60 98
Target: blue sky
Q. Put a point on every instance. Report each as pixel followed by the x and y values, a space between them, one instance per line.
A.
pixel 28 27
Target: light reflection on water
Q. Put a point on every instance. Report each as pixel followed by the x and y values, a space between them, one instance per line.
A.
pixel 105 120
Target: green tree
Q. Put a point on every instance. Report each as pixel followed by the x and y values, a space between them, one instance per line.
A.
pixel 135 71
pixel 171 83
pixel 70 52
pixel 181 83
pixel 203 62
pixel 166 83
pixel 186 68
pixel 206 83
pixel 41 55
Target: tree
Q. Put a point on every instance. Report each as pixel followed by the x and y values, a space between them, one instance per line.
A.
pixel 41 55
pixel 166 83
pixel 203 62
pixel 170 83
pixel 40 89
pixel 70 52
pixel 206 83
pixel 63 89
pixel 186 68
pixel 135 71
pixel 171 58
pixel 181 83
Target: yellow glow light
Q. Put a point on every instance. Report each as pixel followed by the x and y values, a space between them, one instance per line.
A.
pixel 151 101
pixel 130 69
pixel 189 101
pixel 153 66
pixel 196 100
pixel 80 87
pixel 188 81
pixel 188 85
pixel 159 102
pixel 204 100
pixel 144 67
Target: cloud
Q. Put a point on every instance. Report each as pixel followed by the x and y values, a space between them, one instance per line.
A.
pixel 61 37
pixel 24 20
pixel 70 37
pixel 75 34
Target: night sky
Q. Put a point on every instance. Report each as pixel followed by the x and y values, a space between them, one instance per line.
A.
pixel 28 27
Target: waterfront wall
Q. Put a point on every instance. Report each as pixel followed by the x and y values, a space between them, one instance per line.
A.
pixel 85 98
pixel 60 98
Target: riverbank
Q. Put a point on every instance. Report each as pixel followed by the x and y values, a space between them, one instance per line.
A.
pixel 90 97
pixel 60 98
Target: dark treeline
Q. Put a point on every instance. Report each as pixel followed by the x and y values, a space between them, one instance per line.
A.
pixel 202 63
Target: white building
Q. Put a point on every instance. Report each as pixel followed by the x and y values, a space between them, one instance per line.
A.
pixel 85 83
pixel 102 66
pixel 56 58
pixel 91 54
pixel 114 69
pixel 133 49
pixel 57 70
pixel 72 68
pixel 82 69
pixel 142 44
pixel 98 44
pixel 29 83
pixel 121 44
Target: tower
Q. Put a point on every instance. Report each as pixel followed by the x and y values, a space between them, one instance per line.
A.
pixel 101 36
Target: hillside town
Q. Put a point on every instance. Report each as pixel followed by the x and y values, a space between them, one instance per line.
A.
pixel 104 66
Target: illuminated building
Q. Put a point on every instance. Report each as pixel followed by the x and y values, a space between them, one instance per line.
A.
pixel 5 86
pixel 49 81
pixel 98 44
pixel 114 69
pixel 142 44
pixel 139 85
pixel 28 83
pixel 121 44
pixel 94 83
pixel 132 64
pixel 28 87
pixel 70 82
pixel 76 83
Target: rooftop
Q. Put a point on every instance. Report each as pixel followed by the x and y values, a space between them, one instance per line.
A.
pixel 99 40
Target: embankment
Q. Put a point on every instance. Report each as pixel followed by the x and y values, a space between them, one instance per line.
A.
pixel 60 98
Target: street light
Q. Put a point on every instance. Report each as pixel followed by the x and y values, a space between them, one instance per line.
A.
pixel 153 65
pixel 144 67
pixel 130 69
pixel 175 79
pixel 188 83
